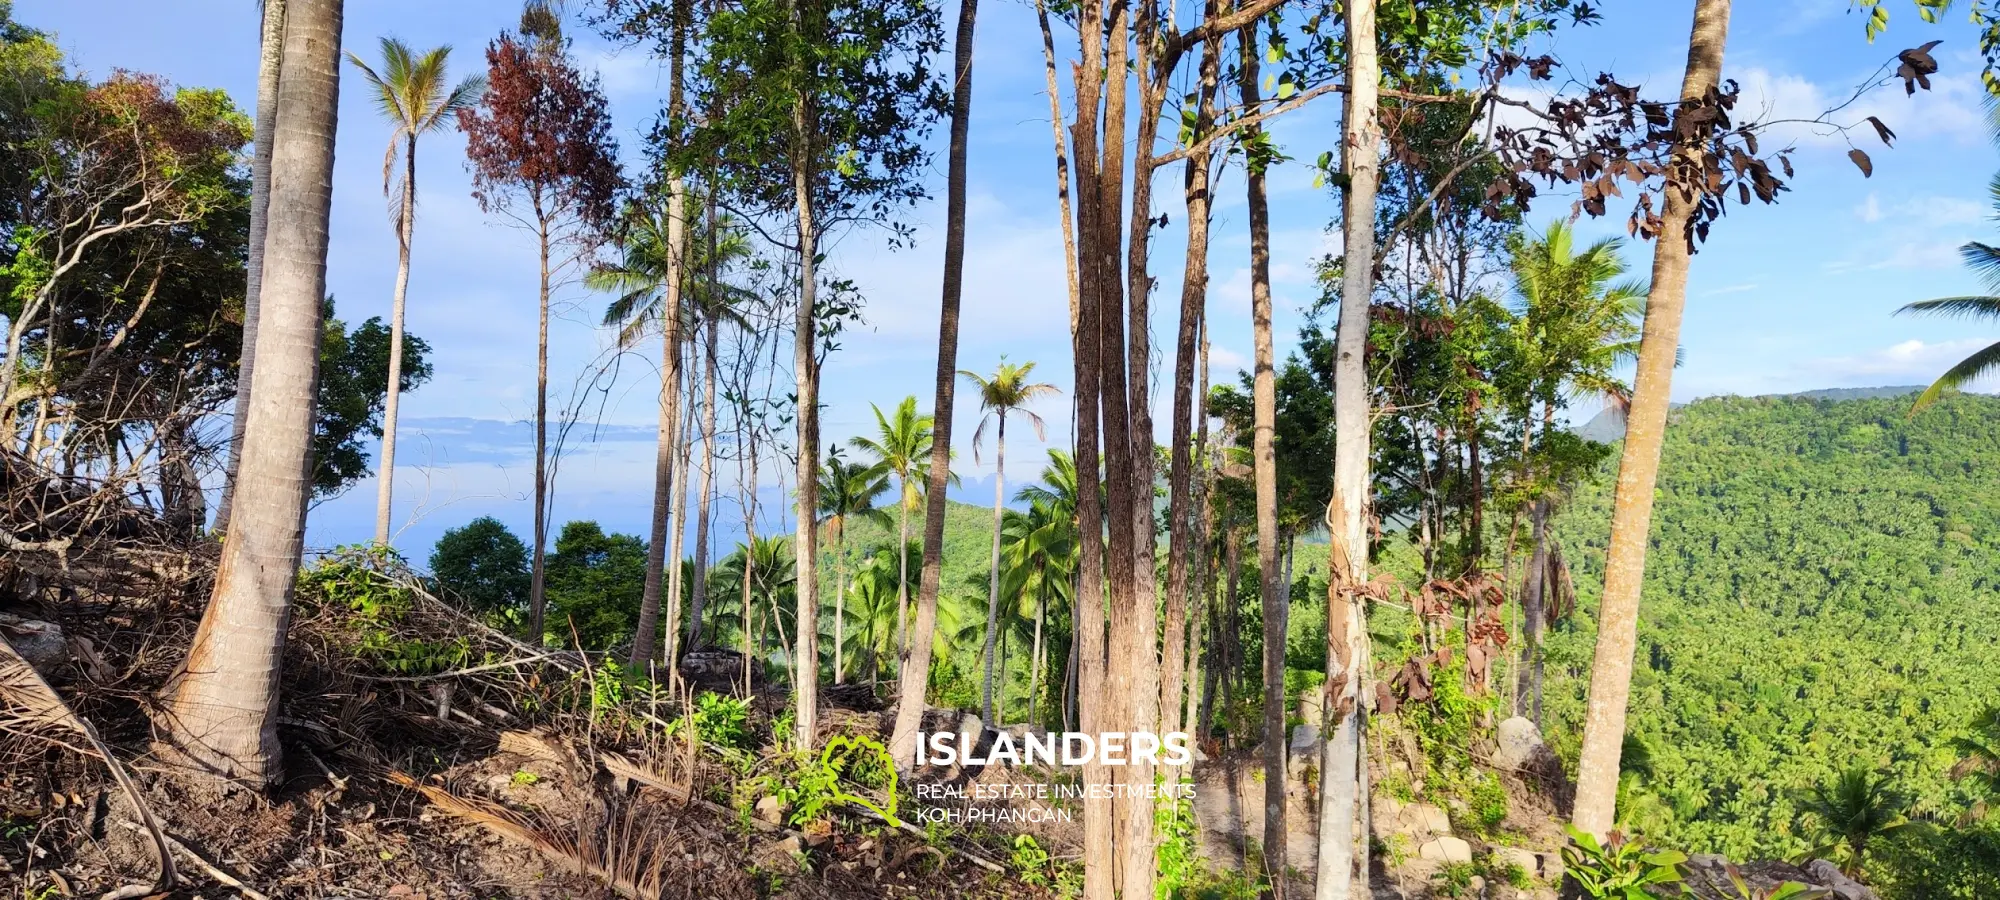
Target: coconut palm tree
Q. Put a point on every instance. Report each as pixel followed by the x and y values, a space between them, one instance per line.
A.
pixel 1576 319
pixel 1645 434
pixel 414 93
pixel 647 281
pixel 773 577
pixel 847 491
pixel 1039 560
pixel 222 714
pixel 902 450
pixel 1006 391
pixel 872 610
pixel 1981 752
pixel 1856 807
pixel 1984 260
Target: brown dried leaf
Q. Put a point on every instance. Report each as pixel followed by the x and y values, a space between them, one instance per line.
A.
pixel 1862 162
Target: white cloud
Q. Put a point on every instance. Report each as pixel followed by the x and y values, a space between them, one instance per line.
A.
pixel 1794 105
pixel 1907 362
pixel 1870 209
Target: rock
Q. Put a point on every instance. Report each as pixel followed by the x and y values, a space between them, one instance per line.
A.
pixel 1445 849
pixel 1422 820
pixel 1552 870
pixel 1477 885
pixel 771 810
pixel 970 727
pixel 1519 743
pixel 1312 706
pixel 1515 856
pixel 40 643
pixel 1305 739
pixel 1827 875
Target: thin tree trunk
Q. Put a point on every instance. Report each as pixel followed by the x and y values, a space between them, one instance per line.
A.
pixel 270 63
pixel 993 588
pixel 840 604
pixel 805 365
pixel 914 657
pixel 903 572
pixel 538 571
pixel 385 468
pixel 1534 613
pixel 1347 562
pixel 1182 540
pixel 706 503
pixel 1645 432
pixel 677 540
pixel 1264 414
pixel 1035 660
pixel 645 638
pixel 222 713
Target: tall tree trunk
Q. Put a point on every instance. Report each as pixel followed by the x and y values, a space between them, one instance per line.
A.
pixel 1347 561
pixel 903 572
pixel 385 468
pixel 645 638
pixel 805 368
pixel 1035 661
pixel 1264 465
pixel 913 658
pixel 993 587
pixel 1204 525
pixel 840 603
pixel 677 537
pixel 706 502
pixel 1183 542
pixel 1534 613
pixel 222 714
pixel 1645 432
pixel 270 63
pixel 538 569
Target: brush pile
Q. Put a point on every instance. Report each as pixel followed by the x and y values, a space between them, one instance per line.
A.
pixel 428 755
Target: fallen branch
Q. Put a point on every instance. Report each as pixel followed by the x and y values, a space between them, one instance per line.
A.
pixel 214 871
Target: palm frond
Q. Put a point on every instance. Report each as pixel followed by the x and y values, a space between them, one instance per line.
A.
pixel 1981 362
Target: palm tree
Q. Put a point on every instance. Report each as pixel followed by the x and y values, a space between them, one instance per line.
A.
pixel 1007 391
pixel 846 491
pixel 1984 260
pixel 1981 751
pixel 902 450
pixel 411 92
pixel 773 578
pixel 270 62
pixel 649 279
pixel 1856 807
pixel 1040 561
pixel 1645 434
pixel 223 712
pixel 1575 321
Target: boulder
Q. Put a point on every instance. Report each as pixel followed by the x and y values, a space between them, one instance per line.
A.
pixel 1445 849
pixel 1305 740
pixel 1515 856
pixel 771 810
pixel 1552 867
pixel 1520 743
pixel 1422 820
pixel 1828 876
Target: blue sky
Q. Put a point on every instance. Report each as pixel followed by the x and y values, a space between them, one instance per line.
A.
pixel 1790 297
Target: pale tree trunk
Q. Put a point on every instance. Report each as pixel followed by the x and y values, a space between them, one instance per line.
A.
pixel 1035 660
pixel 805 368
pixel 676 587
pixel 538 569
pixel 1264 465
pixel 1203 526
pixel 1183 541
pixel 270 62
pixel 1347 560
pixel 705 503
pixel 914 656
pixel 993 589
pixel 385 468
pixel 645 638
pixel 1645 432
pixel 903 570
pixel 222 714
pixel 840 603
